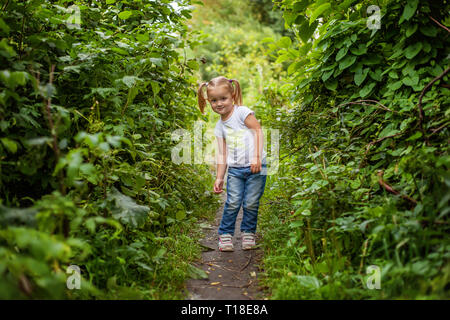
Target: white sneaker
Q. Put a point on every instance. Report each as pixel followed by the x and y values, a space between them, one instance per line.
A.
pixel 225 242
pixel 248 241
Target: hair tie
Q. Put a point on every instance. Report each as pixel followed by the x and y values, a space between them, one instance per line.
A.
pixel 231 81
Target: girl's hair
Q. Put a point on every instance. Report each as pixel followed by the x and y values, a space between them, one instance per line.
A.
pixel 235 90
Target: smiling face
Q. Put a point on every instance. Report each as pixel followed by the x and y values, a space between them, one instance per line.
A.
pixel 221 100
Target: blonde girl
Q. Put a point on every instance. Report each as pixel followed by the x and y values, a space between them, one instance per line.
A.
pixel 240 149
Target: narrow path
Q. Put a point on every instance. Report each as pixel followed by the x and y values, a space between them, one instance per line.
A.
pixel 232 275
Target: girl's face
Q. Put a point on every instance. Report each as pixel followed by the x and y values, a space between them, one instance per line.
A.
pixel 221 100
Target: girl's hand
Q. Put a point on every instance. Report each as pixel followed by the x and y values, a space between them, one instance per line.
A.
pixel 255 165
pixel 218 185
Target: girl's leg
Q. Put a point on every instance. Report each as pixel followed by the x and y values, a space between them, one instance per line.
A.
pixel 235 193
pixel 254 189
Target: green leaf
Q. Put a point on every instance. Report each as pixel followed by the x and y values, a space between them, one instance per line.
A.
pixel 345 4
pixel 196 273
pixel 120 51
pixel 347 62
pixel 301 5
pixel 415 136
pixel 289 17
pixel 296 224
pixel 331 85
pixel 6 50
pixel 306 30
pixel 411 29
pixel 193 64
pixel 388 131
pixel 284 42
pixel 396 85
pixel 157 61
pixel 4 26
pixel 393 75
pixel 319 11
pixel 327 74
pixel 130 80
pixel 125 14
pixel 361 75
pixel 429 30
pixel 412 50
pixel 181 214
pixel 309 282
pixel 411 80
pixel 90 173
pixel 155 87
pixel 362 49
pixel 295 66
pixel 282 58
pixel 74 160
pixel 376 75
pixel 409 10
pixel 306 212
pixel 365 91
pixel 341 53
pixel 9 144
pixel 126 210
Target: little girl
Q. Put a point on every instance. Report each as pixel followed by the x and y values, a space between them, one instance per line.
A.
pixel 240 147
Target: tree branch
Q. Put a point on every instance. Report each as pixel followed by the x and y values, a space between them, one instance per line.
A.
pixel 427 87
pixel 392 190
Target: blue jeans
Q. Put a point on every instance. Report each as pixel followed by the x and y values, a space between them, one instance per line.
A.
pixel 243 188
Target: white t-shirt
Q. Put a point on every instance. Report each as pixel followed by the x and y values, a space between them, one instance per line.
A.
pixel 239 138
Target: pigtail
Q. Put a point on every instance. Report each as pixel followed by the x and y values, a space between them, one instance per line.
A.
pixel 201 98
pixel 237 94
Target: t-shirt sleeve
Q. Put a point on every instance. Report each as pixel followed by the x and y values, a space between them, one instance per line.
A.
pixel 244 112
pixel 218 132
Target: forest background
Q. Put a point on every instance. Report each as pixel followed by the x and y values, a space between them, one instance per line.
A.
pixel 90 96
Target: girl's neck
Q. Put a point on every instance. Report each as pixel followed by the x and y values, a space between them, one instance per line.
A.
pixel 228 116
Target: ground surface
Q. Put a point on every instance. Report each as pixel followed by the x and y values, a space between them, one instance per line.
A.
pixel 232 275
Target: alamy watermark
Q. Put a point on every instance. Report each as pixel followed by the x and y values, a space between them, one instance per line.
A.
pixel 374 20
pixel 374 279
pixel 73 281
pixel 74 19
pixel 206 148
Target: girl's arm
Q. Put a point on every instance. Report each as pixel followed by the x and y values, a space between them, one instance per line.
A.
pixel 221 158
pixel 252 123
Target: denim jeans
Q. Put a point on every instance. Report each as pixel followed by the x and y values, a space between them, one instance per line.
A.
pixel 243 188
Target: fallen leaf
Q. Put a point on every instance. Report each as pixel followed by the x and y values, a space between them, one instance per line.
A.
pixel 214 283
pixel 220 276
pixel 230 260
pixel 253 274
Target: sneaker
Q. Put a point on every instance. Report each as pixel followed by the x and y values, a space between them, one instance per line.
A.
pixel 248 241
pixel 225 242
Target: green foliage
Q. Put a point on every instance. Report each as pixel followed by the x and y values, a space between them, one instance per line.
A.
pixel 365 152
pixel 232 34
pixel 89 96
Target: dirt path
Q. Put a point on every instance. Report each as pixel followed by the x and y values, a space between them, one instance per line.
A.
pixel 232 275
